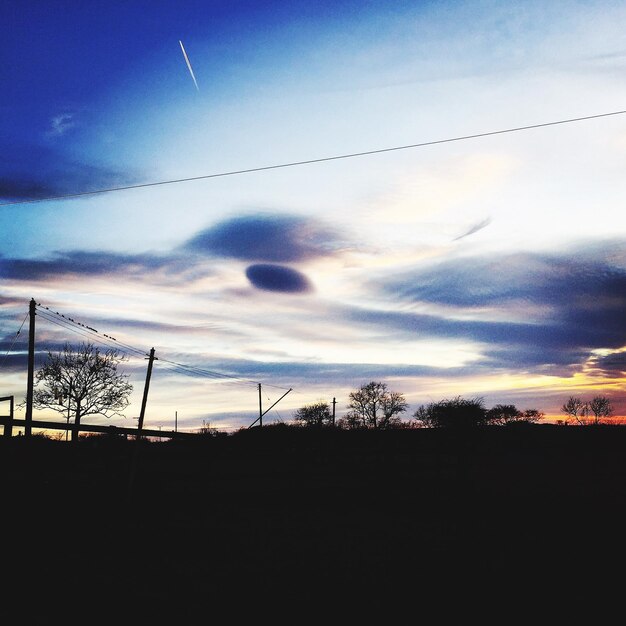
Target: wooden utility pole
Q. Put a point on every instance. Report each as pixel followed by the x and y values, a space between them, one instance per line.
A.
pixel 145 393
pixel 334 403
pixel 28 425
pixel 261 412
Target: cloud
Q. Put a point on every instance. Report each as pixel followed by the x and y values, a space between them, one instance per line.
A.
pixel 584 285
pixel 301 373
pixel 20 187
pixel 264 237
pixel 474 229
pixel 86 264
pixel 278 278
pixel 60 124
pixel 37 171
pixel 611 365
pixel 552 310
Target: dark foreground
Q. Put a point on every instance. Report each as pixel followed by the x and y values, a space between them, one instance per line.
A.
pixel 338 524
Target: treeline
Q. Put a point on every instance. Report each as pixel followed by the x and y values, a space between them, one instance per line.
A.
pixel 375 406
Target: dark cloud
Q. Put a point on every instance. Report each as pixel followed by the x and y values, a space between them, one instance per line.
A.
pixel 21 187
pixel 14 351
pixel 85 264
pixel 433 326
pixel 546 360
pixel 298 374
pixel 39 171
pixel 277 278
pixel 569 304
pixel 7 301
pixel 558 280
pixel 611 365
pixel 272 238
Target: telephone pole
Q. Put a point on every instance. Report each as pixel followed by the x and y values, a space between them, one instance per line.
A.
pixel 28 422
pixel 334 403
pixel 145 393
pixel 262 412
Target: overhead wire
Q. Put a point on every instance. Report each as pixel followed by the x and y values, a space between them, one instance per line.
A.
pixel 104 340
pixel 280 419
pixel 218 375
pixel 312 161
pixel 4 358
pixel 90 329
pixel 83 334
pixel 89 332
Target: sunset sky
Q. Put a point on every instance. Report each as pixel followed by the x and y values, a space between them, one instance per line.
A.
pixel 490 267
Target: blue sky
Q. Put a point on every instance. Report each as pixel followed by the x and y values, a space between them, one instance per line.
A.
pixel 490 267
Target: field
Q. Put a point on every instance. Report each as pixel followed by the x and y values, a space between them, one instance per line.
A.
pixel 332 520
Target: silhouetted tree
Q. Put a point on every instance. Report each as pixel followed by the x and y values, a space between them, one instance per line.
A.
pixel 82 381
pixel 374 406
pixel 502 414
pixel 316 414
pixel 454 413
pixel 576 408
pixel 601 407
pixel 506 414
pixel 532 416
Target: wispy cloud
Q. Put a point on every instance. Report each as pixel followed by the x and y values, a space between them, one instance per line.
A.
pixel 474 229
pixel 60 124
pixel 81 263
pixel 525 310
pixel 37 171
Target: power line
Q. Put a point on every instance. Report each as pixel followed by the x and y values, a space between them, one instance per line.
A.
pixel 311 161
pixel 4 358
pixel 78 331
pixel 87 331
pixel 69 323
pixel 193 369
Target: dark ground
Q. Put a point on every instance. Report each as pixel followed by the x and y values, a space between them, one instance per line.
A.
pixel 283 520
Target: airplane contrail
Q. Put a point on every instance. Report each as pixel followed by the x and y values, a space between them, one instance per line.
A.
pixel 188 64
pixel 474 229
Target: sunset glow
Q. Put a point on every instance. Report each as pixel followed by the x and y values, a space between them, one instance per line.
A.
pixel 493 266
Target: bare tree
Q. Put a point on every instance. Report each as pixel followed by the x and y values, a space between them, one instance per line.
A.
pixel 532 416
pixel 316 414
pixel 82 381
pixel 601 407
pixel 374 406
pixel 506 414
pixel 576 408
pixel 503 414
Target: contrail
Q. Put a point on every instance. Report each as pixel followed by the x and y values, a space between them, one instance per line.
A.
pixel 474 229
pixel 188 64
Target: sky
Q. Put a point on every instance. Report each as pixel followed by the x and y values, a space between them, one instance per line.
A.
pixel 489 267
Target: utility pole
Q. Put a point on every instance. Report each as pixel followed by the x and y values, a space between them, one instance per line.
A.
pixel 334 403
pixel 135 458
pixel 261 412
pixel 145 393
pixel 176 422
pixel 28 422
pixel 67 430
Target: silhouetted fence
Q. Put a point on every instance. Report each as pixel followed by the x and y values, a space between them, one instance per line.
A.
pixel 10 422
